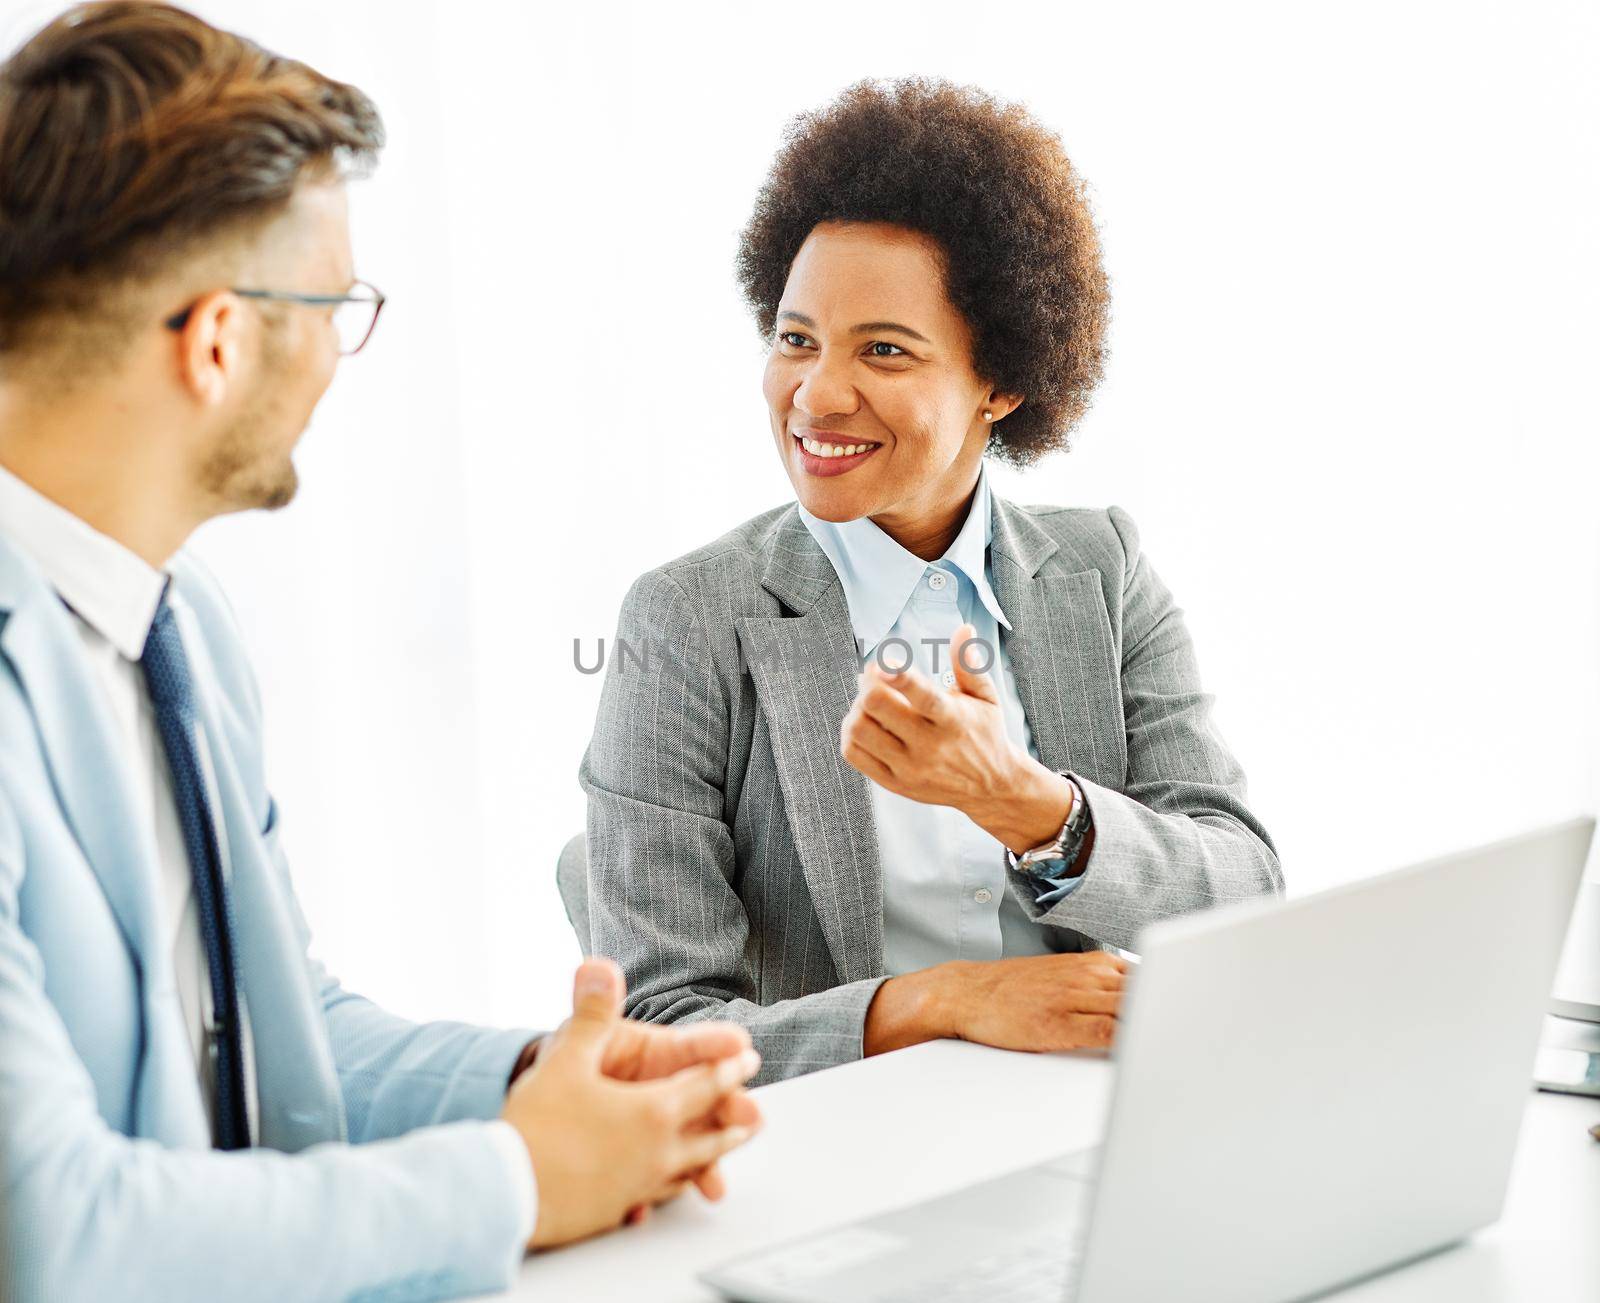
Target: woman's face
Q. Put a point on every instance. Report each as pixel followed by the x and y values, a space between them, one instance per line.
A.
pixel 870 358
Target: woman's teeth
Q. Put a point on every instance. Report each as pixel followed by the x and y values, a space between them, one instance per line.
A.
pixel 834 449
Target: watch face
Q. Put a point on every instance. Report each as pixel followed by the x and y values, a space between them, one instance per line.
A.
pixel 1048 866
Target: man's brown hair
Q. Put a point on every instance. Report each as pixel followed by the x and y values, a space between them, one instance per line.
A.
pixel 131 133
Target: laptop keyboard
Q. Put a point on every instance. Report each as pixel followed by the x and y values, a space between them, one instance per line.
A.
pixel 1001 1278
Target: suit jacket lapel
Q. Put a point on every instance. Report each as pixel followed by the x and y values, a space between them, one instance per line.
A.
pixel 1061 649
pixel 805 667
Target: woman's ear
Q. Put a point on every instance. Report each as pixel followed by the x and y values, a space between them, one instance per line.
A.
pixel 998 406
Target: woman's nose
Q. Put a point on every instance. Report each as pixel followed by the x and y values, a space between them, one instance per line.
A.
pixel 826 390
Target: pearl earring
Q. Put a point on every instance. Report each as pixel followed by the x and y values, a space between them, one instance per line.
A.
pixel 988 416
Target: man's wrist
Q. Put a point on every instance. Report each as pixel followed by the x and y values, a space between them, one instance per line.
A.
pixel 513 1147
pixel 525 1060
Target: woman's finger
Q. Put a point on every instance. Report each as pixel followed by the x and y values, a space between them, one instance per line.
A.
pixel 1080 1031
pixel 1090 1001
pixel 877 740
pixel 862 759
pixel 920 693
pixel 889 708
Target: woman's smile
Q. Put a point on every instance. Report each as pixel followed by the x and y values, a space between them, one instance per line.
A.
pixel 822 452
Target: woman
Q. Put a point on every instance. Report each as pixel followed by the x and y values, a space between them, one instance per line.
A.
pixel 844 860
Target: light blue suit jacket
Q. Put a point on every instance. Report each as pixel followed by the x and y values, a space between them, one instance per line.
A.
pixel 108 1185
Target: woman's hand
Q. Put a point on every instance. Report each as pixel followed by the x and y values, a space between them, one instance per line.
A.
pixel 951 748
pixel 1036 1002
pixel 1040 1002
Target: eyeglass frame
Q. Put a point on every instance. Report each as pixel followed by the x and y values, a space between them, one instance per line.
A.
pixel 178 320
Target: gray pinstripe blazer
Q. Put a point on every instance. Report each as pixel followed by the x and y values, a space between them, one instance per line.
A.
pixel 733 866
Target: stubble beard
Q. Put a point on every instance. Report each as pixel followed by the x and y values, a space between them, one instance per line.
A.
pixel 249 469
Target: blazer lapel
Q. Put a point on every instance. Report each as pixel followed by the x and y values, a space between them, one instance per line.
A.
pixel 805 667
pixel 1061 650
pixel 82 749
pixel 297 1083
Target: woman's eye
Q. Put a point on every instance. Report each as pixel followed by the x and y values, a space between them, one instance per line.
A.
pixel 882 349
pixel 792 338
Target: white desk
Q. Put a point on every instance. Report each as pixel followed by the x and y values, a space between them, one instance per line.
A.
pixel 898 1128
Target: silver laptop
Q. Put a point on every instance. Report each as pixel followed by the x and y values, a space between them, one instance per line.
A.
pixel 1308 1091
pixel 1577 989
pixel 1569 1057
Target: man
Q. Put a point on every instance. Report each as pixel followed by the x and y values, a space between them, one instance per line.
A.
pixel 178 1081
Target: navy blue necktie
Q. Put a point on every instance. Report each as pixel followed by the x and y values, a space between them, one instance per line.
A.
pixel 166 672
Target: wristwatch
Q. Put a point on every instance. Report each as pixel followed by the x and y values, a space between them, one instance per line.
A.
pixel 1056 857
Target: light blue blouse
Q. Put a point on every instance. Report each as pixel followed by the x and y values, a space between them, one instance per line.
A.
pixel 944 882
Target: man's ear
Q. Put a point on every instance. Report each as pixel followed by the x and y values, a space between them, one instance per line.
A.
pixel 211 345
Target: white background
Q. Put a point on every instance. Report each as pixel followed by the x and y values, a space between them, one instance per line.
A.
pixel 1350 403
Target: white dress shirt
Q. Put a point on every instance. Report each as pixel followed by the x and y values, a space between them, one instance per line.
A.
pixel 113 596
pixel 944 882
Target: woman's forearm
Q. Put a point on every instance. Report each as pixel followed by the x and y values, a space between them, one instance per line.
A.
pixel 913 1008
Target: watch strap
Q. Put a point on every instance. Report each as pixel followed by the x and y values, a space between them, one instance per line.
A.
pixel 1057 856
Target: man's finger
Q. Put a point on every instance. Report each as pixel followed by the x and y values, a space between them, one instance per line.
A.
pixel 597 993
pixel 703 1042
pixel 669 1049
pixel 710 1182
pixel 703 1149
pixel 670 1191
pixel 694 1092
pixel 737 1110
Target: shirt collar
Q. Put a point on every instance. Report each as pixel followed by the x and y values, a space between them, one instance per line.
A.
pixel 111 589
pixel 879 576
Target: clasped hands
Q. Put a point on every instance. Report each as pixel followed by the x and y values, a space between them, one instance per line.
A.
pixel 951 748
pixel 619 1116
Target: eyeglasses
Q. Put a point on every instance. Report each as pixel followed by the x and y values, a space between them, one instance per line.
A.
pixel 355 314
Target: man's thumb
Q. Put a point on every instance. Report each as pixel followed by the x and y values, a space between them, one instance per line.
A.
pixel 972 659
pixel 597 992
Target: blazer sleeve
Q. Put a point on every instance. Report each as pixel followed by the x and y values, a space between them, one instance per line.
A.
pixel 89 1213
pixel 662 900
pixel 396 1075
pixel 1177 835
